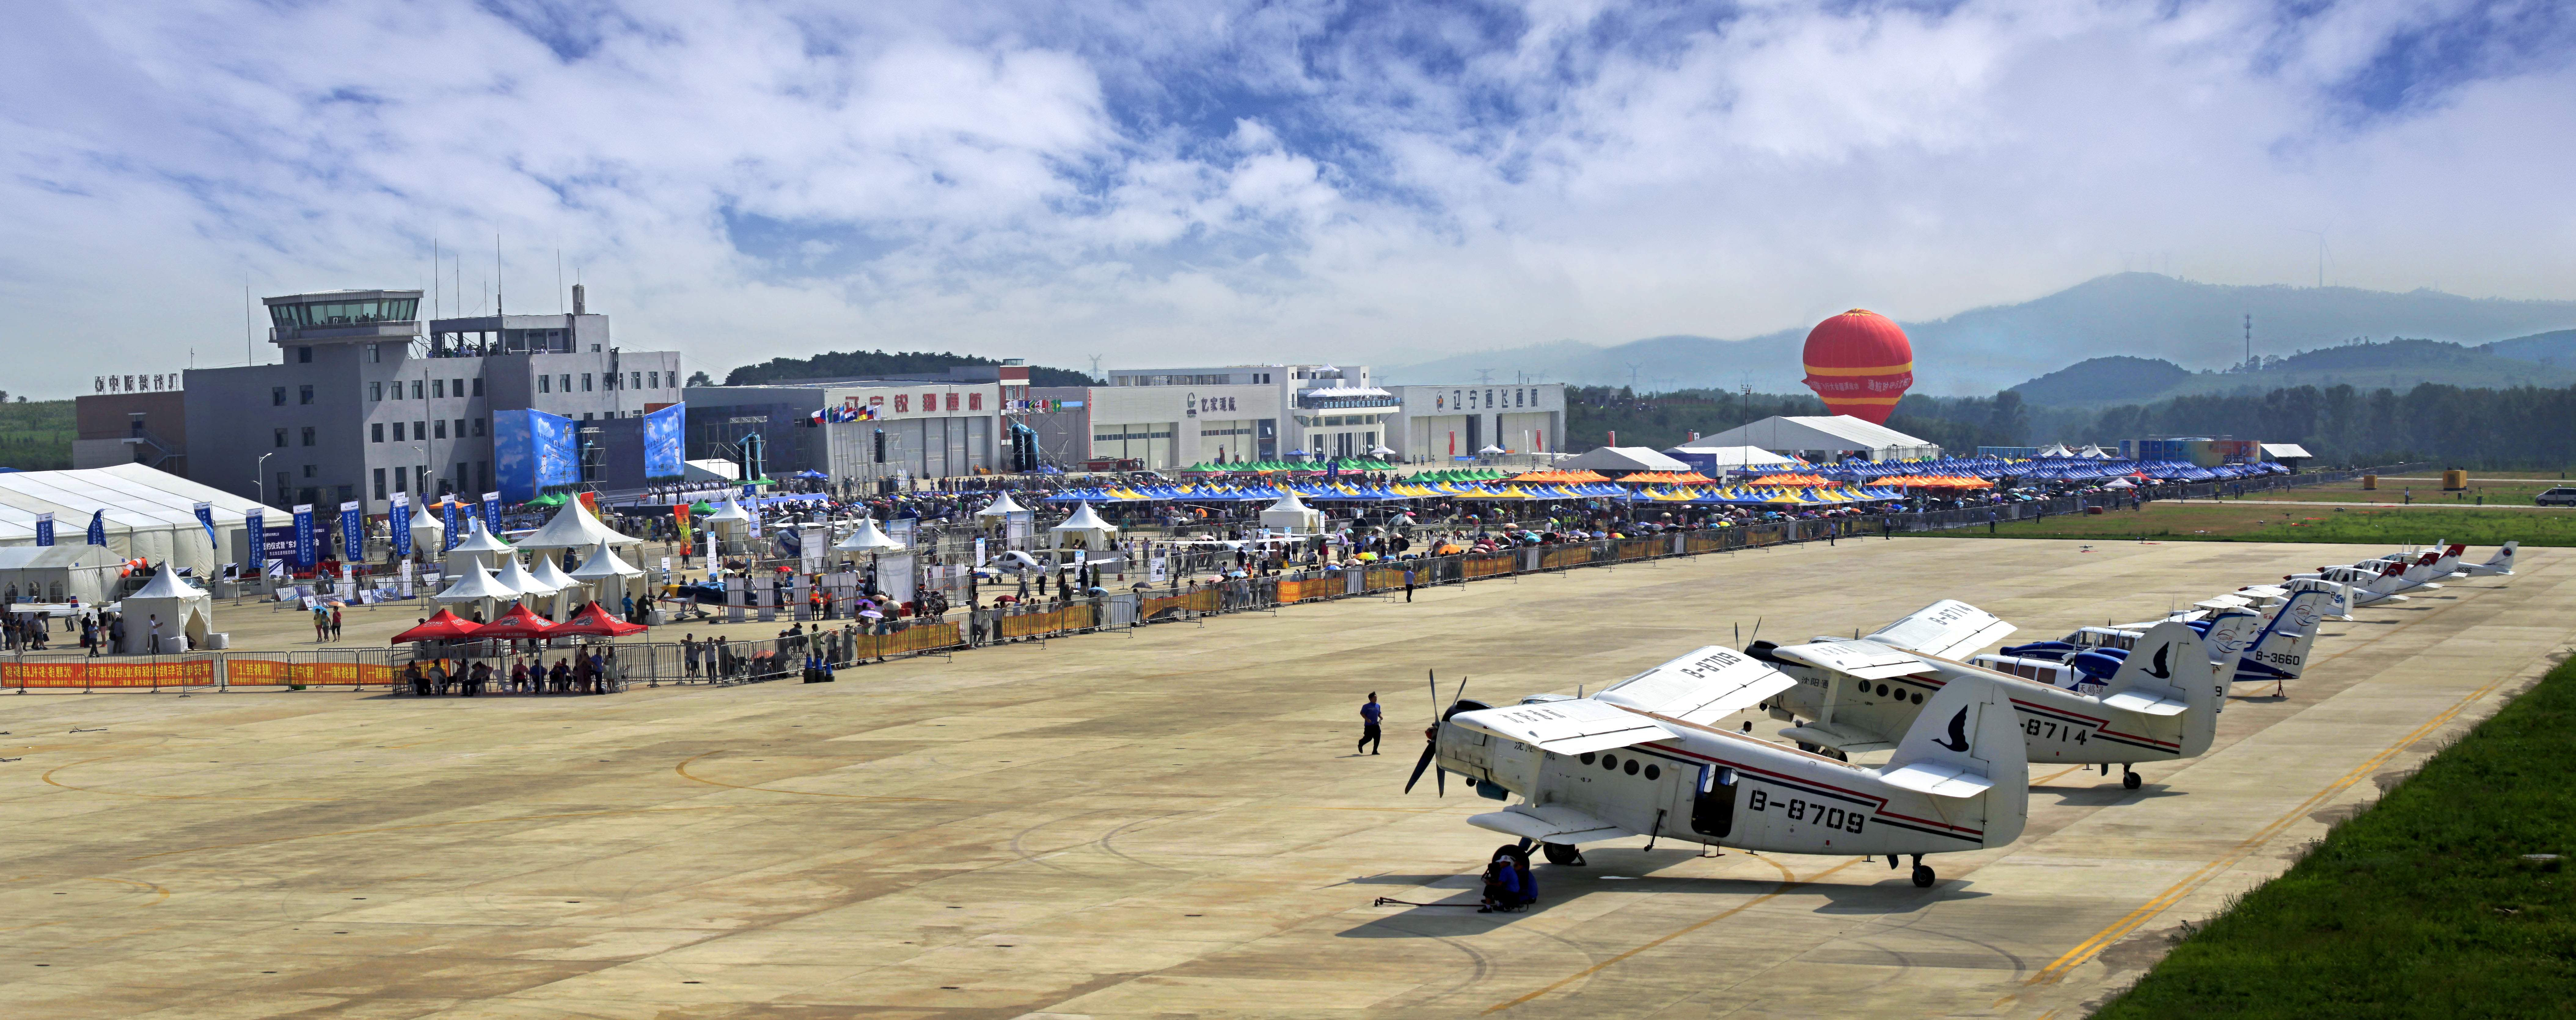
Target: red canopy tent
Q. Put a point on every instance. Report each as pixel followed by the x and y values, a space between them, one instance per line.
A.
pixel 594 620
pixel 445 626
pixel 517 624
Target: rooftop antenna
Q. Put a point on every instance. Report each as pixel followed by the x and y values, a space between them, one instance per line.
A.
pixel 496 275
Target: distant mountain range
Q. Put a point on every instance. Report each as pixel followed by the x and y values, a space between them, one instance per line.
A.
pixel 2143 316
pixel 2396 364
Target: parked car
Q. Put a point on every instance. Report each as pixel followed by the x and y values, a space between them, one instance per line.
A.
pixel 2564 495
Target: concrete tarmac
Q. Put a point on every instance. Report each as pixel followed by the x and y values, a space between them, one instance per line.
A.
pixel 1168 823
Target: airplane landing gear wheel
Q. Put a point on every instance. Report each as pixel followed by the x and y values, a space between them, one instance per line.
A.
pixel 2129 780
pixel 1563 854
pixel 1923 877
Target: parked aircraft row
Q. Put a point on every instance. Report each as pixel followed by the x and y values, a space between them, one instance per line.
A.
pixel 1646 756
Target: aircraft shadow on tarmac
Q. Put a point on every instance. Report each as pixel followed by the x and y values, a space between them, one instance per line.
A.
pixel 1854 891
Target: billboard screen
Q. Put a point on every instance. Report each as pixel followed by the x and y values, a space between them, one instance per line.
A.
pixel 664 446
pixel 531 452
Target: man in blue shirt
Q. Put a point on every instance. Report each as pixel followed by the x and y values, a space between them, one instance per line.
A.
pixel 1370 715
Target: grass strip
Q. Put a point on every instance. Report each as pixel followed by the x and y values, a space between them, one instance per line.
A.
pixel 2423 905
pixel 2257 521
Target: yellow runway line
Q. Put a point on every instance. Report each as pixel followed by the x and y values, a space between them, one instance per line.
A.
pixel 2057 969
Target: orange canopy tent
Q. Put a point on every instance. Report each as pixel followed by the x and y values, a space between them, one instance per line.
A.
pixel 1561 477
pixel 1667 478
pixel 445 626
pixel 1934 482
pixel 1802 481
pixel 594 620
pixel 517 624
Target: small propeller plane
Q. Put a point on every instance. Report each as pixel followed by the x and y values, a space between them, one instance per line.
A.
pixel 1641 758
pixel 2161 701
pixel 2365 585
pixel 2246 646
pixel 2498 565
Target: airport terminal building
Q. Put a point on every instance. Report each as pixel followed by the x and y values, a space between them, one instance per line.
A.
pixel 1163 418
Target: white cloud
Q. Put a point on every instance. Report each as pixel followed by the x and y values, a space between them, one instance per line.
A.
pixel 1184 180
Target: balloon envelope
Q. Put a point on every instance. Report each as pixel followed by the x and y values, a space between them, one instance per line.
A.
pixel 1860 363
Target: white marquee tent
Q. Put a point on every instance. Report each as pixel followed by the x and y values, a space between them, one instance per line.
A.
pixel 1824 438
pixel 151 514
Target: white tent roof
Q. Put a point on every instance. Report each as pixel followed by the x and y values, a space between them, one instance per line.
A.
pixel 551 574
pixel 1288 504
pixel 1723 457
pixel 2285 451
pixel 138 500
pixel 1001 506
pixel 730 511
pixel 516 578
pixel 2056 450
pixel 574 528
pixel 1814 432
pixel 477 540
pixel 1381 450
pixel 422 520
pixel 1621 458
pixel 601 563
pixel 1491 448
pixel 2094 453
pixel 1084 520
pixel 167 585
pixel 475 586
pixel 867 537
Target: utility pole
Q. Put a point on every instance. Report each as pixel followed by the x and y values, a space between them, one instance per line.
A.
pixel 1095 366
pixel 2249 341
pixel 1632 376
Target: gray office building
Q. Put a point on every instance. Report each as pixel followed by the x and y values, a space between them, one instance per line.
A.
pixel 367 403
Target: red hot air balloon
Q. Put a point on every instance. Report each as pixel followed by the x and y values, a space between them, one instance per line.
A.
pixel 1860 363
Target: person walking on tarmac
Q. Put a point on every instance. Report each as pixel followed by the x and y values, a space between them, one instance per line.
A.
pixel 1370 716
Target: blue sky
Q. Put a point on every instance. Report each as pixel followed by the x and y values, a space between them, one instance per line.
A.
pixel 1165 182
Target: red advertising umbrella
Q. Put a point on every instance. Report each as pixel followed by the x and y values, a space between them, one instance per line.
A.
pixel 517 624
pixel 445 626
pixel 594 620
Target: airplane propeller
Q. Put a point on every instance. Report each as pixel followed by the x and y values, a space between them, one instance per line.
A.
pixel 1431 740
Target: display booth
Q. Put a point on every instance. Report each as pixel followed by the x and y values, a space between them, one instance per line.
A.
pixel 1292 515
pixel 569 593
pixel 574 528
pixel 186 614
pixel 479 548
pixel 533 593
pixel 427 532
pixel 476 588
pixel 610 578
pixel 1087 531
pixel 732 526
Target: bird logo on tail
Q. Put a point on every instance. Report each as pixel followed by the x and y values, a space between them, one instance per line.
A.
pixel 1958 733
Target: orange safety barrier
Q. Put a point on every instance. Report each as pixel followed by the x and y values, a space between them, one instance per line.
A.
pixel 90 673
pixel 1074 617
pixel 1203 600
pixel 917 638
pixel 1570 556
pixel 1637 548
pixel 1487 566
pixel 1384 578
pixel 1700 543
pixel 254 672
pixel 351 673
pixel 1299 591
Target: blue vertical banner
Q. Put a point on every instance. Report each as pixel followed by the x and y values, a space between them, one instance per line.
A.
pixel 304 551
pixel 492 512
pixel 44 529
pixel 447 518
pixel 206 516
pixel 398 524
pixel 664 442
pixel 256 524
pixel 98 527
pixel 353 532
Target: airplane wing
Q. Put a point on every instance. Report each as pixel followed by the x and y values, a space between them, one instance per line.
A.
pixel 1565 727
pixel 1548 823
pixel 1938 780
pixel 1866 660
pixel 1944 629
pixel 1702 687
pixel 1840 736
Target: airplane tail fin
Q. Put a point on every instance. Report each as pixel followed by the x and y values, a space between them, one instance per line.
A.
pixel 2229 633
pixel 2338 602
pixel 1968 744
pixel 2281 651
pixel 2169 673
pixel 2500 563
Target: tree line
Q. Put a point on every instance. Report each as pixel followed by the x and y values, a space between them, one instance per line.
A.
pixel 2517 427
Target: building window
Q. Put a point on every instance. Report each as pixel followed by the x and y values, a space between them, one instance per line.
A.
pixel 380 480
pixel 376 432
pixel 420 430
pixel 277 396
pixel 308 435
pixel 974 401
pixel 460 428
pixel 376 355
pixel 312 471
pixel 586 415
pixel 402 480
pixel 478 426
pixel 566 380
pixel 398 432
pixel 438 387
pixel 442 428
pixel 304 355
pixel 285 485
pixel 375 391
pixel 478 385
pixel 545 384
pixel 585 382
pixel 415 389
pixel 656 379
pixel 635 380
pixel 281 438
pixel 457 387
pixel 482 475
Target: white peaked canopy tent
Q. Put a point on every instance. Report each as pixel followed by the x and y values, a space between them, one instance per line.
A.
pixel 732 525
pixel 1381 451
pixel 867 538
pixel 1085 530
pixel 2056 450
pixel 479 588
pixel 574 528
pixel 1292 514
pixel 1714 461
pixel 183 609
pixel 1621 458
pixel 1001 507
pixel 479 548
pixel 516 578
pixel 610 578
pixel 427 531
pixel 552 576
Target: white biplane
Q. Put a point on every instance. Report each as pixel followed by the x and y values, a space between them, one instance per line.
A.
pixel 2160 701
pixel 1642 758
